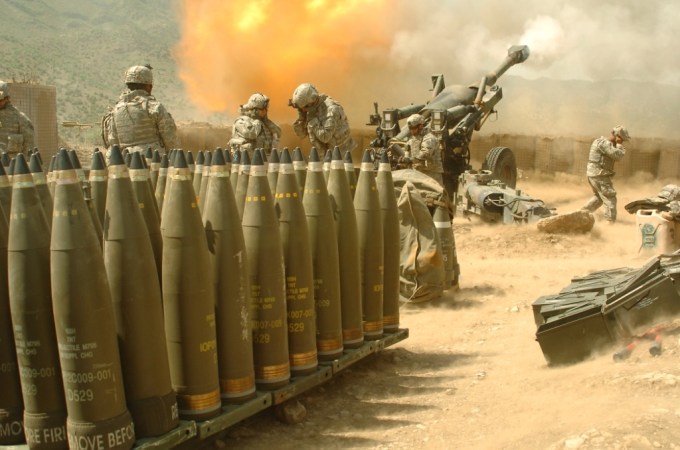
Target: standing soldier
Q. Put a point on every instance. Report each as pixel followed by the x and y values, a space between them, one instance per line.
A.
pixel 138 119
pixel 16 129
pixel 253 129
pixel 322 119
pixel 423 148
pixel 600 171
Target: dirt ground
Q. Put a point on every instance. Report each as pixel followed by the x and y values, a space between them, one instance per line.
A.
pixel 471 374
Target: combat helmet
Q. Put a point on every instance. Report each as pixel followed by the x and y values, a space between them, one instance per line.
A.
pixel 621 132
pixel 139 75
pixel 257 101
pixel 415 120
pixel 4 90
pixel 305 95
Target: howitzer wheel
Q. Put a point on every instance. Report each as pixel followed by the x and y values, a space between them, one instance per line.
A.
pixel 501 162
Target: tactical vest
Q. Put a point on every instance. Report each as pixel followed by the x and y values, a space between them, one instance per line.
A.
pixel 134 124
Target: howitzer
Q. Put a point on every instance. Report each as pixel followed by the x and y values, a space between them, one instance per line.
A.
pixel 491 199
pixel 453 114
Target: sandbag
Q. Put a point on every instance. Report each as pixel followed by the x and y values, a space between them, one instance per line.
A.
pixel 421 268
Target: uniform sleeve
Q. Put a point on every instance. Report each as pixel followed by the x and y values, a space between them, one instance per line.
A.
pixel 324 129
pixel 28 132
pixel 167 129
pixel 300 128
pixel 108 135
pixel 276 132
pixel 615 152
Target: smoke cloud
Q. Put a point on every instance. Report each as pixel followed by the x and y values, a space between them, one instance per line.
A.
pixel 360 51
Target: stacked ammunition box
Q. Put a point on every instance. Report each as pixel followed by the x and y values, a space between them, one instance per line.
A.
pixel 597 311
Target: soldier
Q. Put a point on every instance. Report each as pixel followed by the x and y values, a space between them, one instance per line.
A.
pixel 603 153
pixel 138 120
pixel 253 129
pixel 423 148
pixel 322 119
pixel 16 129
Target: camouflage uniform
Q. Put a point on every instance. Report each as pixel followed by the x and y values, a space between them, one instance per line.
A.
pixel 250 132
pixel 600 170
pixel 16 130
pixel 326 125
pixel 426 155
pixel 139 120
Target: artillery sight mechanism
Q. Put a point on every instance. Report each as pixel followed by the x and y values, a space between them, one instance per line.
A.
pixel 452 114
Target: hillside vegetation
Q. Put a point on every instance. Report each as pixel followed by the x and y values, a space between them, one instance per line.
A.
pixel 84 46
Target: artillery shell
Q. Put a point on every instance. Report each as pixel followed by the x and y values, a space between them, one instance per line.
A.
pixel 189 299
pixel 232 286
pixel 98 179
pixel 267 282
pixel 391 239
pixel 371 248
pixel 299 272
pixel 137 300
pixel 84 322
pixel 348 251
pixel 323 244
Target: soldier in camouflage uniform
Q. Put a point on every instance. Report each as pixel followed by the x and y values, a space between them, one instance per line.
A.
pixel 138 120
pixel 423 149
pixel 322 119
pixel 604 151
pixel 16 129
pixel 253 129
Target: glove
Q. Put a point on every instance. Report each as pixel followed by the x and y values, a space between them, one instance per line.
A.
pixel 300 128
pixel 314 123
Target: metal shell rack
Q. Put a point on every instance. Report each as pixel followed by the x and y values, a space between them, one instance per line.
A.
pixel 189 432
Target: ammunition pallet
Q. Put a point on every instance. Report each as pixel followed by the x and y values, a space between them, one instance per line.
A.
pixel 192 431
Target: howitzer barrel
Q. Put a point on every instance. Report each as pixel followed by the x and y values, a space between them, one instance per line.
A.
pixel 406 111
pixel 451 97
pixel 516 54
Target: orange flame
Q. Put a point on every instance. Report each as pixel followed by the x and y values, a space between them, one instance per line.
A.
pixel 230 50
